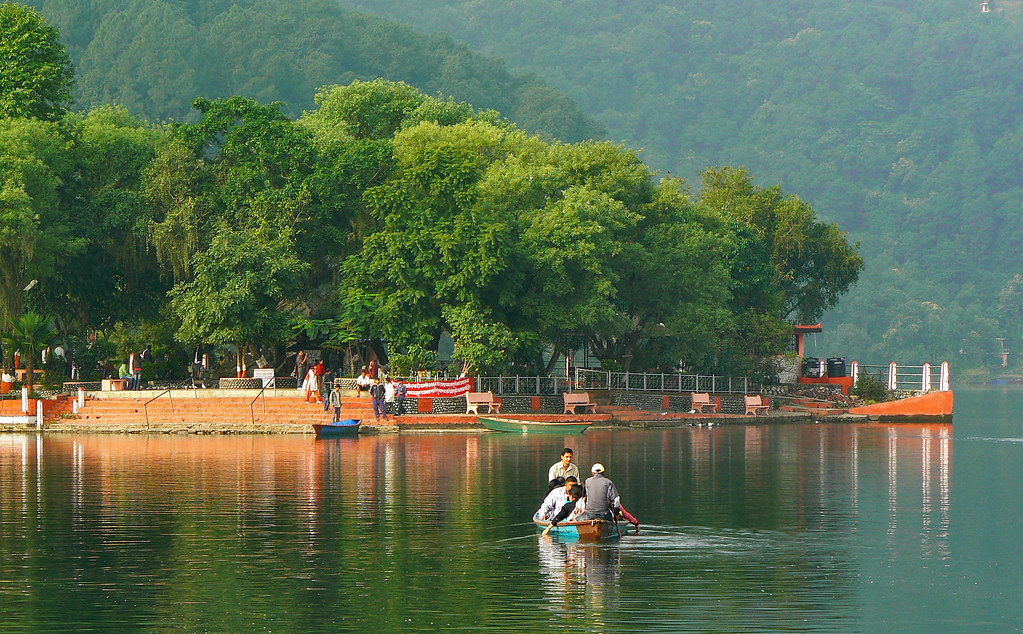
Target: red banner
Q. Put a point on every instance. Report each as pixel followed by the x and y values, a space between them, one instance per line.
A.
pixel 440 389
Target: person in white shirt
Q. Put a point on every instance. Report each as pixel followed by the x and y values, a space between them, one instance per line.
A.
pixel 555 499
pixel 563 468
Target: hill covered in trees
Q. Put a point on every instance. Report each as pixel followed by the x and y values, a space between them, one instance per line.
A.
pixel 902 121
pixel 382 214
pixel 155 56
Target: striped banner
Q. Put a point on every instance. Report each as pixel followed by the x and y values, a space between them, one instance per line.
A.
pixel 440 389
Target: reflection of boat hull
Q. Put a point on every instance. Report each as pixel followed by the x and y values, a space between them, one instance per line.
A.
pixel 533 426
pixel 588 530
pixel 336 430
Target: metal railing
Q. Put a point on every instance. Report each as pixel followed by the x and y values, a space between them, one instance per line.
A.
pixel 897 376
pixel 664 382
pixel 145 406
pixel 586 379
pixel 261 394
pixel 535 385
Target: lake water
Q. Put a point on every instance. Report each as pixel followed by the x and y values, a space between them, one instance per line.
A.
pixel 910 527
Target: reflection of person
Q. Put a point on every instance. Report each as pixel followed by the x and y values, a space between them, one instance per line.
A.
pixel 556 498
pixel 601 496
pixel 574 508
pixel 564 467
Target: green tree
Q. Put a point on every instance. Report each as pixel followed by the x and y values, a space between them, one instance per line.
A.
pixel 238 293
pixel 36 76
pixel 30 334
pixel 36 233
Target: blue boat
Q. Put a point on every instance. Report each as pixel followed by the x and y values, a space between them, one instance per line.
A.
pixel 586 530
pixel 348 427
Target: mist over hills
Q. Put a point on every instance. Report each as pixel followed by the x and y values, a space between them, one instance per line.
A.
pixel 899 120
pixel 157 56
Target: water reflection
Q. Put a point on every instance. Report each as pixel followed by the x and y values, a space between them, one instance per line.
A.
pixel 739 518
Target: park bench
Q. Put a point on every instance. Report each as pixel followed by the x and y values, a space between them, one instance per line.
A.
pixel 701 400
pixel 113 385
pixel 756 404
pixel 574 401
pixel 473 401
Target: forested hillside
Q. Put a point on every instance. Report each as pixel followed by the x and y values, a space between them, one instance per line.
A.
pixel 156 56
pixel 902 121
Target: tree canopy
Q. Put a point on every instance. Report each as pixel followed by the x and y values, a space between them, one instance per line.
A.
pixel 36 76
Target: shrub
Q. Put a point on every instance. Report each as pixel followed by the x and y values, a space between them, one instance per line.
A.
pixel 870 388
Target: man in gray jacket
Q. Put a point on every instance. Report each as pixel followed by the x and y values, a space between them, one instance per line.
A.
pixel 602 499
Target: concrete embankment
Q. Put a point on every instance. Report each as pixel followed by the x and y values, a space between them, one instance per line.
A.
pixel 204 412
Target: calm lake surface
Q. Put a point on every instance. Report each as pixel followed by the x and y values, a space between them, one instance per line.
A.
pixel 910 527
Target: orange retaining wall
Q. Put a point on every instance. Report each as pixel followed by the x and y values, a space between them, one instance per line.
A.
pixel 932 405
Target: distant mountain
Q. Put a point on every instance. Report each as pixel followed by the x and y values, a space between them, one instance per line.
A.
pixel 157 56
pixel 902 121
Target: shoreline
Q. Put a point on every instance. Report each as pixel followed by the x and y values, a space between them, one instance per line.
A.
pixel 72 426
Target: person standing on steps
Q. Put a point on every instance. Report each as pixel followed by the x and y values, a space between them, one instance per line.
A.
pixel 377 393
pixel 335 403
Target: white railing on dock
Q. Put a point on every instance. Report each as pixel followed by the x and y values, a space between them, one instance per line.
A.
pixel 897 376
pixel 664 382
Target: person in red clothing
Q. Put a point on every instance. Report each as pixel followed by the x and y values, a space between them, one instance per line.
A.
pixel 319 371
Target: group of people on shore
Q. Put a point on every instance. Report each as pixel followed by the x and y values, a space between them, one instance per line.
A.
pixel 316 382
pixel 569 500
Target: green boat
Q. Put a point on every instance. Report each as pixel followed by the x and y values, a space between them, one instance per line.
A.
pixel 534 426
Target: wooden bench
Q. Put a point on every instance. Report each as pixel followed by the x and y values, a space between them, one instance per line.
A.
pixel 574 401
pixel 701 400
pixel 113 385
pixel 473 400
pixel 756 404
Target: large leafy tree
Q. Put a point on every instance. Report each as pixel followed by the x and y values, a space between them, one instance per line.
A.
pixel 36 76
pixel 36 232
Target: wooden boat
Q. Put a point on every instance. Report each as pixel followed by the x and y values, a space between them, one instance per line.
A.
pixel 534 426
pixel 348 427
pixel 587 530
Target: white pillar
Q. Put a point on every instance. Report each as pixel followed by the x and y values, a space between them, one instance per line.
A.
pixel 39 414
pixel 925 380
pixel 855 371
pixel 24 400
pixel 81 397
pixel 74 407
pixel 893 376
pixel 944 382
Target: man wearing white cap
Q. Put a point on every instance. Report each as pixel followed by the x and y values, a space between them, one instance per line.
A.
pixel 601 496
pixel 602 500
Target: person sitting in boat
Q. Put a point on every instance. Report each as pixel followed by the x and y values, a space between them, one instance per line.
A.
pixel 563 468
pixel 556 498
pixel 572 510
pixel 605 503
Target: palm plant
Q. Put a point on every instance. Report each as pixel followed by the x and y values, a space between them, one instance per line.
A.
pixel 29 333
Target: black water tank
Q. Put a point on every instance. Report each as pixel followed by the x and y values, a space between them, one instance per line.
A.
pixel 812 367
pixel 836 367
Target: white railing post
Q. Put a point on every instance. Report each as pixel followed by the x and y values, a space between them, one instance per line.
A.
pixel 893 376
pixel 925 377
pixel 39 414
pixel 81 397
pixel 24 400
pixel 944 379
